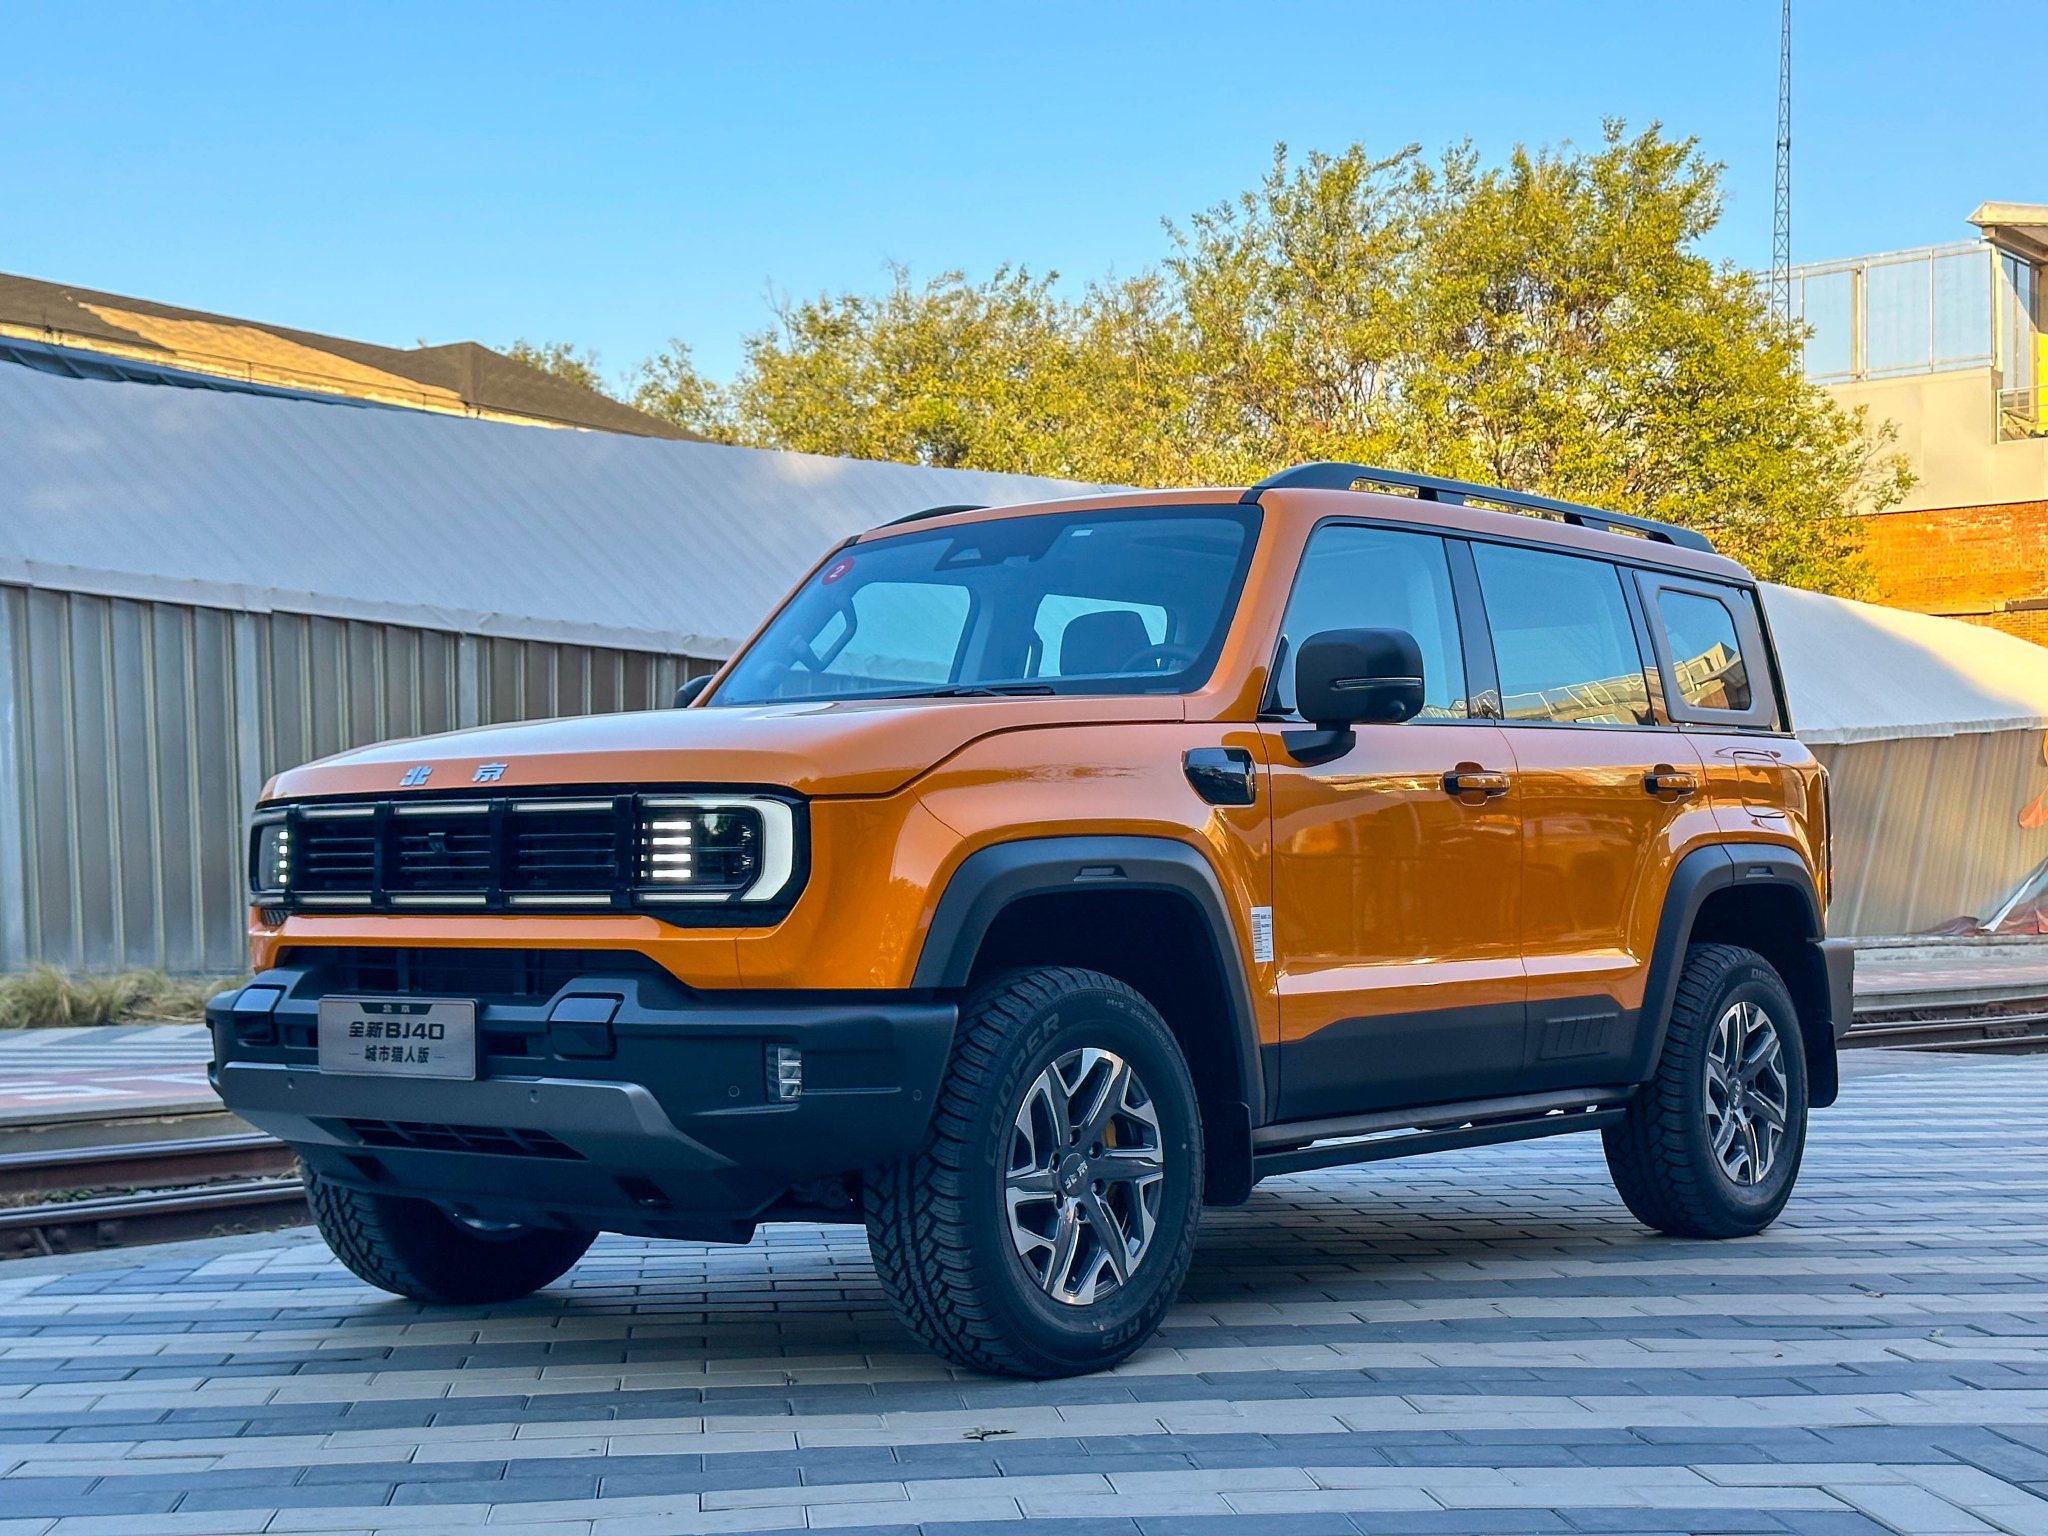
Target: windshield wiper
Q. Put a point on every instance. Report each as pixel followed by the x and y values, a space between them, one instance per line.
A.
pixel 970 691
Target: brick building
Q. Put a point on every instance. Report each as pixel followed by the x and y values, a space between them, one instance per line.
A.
pixel 1950 344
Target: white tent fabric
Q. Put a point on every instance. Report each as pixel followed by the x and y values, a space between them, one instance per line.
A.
pixel 484 528
pixel 1858 672
pixel 241 502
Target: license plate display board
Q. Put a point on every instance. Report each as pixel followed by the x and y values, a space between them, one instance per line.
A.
pixel 398 1036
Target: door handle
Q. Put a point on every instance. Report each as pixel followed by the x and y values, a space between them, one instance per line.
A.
pixel 1666 782
pixel 1221 775
pixel 1471 783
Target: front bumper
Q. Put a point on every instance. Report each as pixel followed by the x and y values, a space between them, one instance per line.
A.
pixel 661 1124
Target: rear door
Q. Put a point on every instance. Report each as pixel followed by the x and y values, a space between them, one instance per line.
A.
pixel 1709 649
pixel 1609 797
pixel 1395 897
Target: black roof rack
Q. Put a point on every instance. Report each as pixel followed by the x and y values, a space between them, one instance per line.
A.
pixel 951 506
pixel 1330 476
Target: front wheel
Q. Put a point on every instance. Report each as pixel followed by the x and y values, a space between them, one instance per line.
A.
pixel 1711 1145
pixel 1045 1226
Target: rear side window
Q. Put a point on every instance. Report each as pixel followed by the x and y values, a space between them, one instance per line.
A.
pixel 1706 657
pixel 1710 648
pixel 1378 578
pixel 1563 640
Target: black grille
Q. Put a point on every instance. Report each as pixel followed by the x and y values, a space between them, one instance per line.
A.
pixel 499 1141
pixel 462 854
pixel 332 854
pixel 440 851
pixel 563 850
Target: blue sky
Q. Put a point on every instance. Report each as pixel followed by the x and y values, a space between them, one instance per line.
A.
pixel 615 174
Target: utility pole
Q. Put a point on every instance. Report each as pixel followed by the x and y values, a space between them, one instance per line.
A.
pixel 1781 224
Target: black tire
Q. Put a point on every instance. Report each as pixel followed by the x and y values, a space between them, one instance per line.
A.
pixel 1662 1154
pixel 415 1249
pixel 940 1222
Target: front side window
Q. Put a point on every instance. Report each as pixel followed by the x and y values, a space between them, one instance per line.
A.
pixel 1379 578
pixel 1136 600
pixel 1706 657
pixel 1562 638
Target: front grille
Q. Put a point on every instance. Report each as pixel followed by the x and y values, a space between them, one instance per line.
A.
pixel 498 1141
pixel 495 854
pixel 334 854
pixel 564 850
pixel 436 850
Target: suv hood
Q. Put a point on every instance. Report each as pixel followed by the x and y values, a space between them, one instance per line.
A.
pixel 869 747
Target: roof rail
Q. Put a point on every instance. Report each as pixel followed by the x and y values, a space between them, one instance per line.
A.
pixel 951 506
pixel 1331 476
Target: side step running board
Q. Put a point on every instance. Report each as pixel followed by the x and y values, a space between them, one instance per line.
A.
pixel 1305 1144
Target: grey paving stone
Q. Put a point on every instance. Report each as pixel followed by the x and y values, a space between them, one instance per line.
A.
pixel 1496 1310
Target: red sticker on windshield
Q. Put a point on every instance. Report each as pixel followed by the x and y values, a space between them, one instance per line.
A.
pixel 836 569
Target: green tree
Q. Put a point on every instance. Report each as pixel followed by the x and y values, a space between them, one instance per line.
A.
pixel 669 386
pixel 567 362
pixel 1547 324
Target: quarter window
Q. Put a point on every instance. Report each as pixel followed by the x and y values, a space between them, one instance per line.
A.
pixel 1562 638
pixel 1376 578
pixel 1706 656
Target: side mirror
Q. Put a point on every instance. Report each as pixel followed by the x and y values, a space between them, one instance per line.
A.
pixel 1347 677
pixel 687 694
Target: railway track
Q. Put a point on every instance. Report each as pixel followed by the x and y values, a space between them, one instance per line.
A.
pixel 2011 1027
pixel 145 1192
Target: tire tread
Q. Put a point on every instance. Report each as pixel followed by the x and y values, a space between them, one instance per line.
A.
pixel 917 1209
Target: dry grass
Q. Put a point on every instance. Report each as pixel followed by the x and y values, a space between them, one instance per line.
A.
pixel 47 998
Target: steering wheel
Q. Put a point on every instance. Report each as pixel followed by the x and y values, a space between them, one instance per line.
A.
pixel 1156 658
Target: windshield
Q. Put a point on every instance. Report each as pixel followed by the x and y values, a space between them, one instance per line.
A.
pixel 1124 601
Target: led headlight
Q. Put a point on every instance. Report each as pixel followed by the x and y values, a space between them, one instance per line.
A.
pixel 714 848
pixel 270 855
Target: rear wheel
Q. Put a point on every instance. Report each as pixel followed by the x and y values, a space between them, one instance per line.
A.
pixel 1711 1145
pixel 413 1248
pixel 1046 1225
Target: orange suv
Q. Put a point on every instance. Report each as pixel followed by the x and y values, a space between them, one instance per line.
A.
pixel 1036 875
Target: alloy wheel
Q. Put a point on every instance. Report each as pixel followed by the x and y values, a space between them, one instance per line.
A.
pixel 1085 1173
pixel 1747 1094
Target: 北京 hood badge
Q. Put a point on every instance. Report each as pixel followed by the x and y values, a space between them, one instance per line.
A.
pixel 419 773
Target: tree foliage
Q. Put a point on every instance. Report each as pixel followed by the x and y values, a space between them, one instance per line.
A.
pixel 1546 324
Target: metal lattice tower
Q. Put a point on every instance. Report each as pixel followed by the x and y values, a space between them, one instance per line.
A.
pixel 1781 224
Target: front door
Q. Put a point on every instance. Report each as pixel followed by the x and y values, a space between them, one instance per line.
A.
pixel 1396 882
pixel 1609 802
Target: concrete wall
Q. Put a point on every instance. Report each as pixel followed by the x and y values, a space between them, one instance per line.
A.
pixel 1971 539
pixel 1948 430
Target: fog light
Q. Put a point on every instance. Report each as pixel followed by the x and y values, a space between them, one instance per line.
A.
pixel 785 1074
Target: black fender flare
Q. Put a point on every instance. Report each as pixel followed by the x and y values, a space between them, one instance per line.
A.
pixel 990 879
pixel 1699 875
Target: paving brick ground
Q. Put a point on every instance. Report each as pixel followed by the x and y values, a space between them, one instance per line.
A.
pixel 1481 1342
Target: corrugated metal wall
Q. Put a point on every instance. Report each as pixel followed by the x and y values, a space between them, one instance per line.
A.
pixel 1927 828
pixel 135 735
